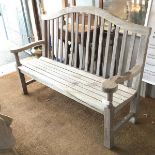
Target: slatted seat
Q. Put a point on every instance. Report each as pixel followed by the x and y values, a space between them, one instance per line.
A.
pixel 80 85
pixel 82 64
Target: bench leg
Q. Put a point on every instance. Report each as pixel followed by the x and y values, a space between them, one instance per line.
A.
pixel 22 82
pixel 134 108
pixel 108 127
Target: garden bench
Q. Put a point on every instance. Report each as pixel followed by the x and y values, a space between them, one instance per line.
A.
pixel 104 89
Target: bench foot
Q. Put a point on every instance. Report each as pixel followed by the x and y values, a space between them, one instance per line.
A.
pixel 108 127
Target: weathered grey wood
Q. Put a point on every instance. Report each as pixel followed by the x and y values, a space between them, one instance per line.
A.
pixel 22 82
pixel 122 122
pixel 114 52
pixel 108 123
pixel 81 51
pixel 106 50
pixel 110 85
pixel 68 91
pixel 28 46
pixel 103 14
pixel 91 77
pixel 100 48
pixel 61 37
pixel 21 75
pixel 48 50
pixel 122 52
pixel 105 96
pixel 132 41
pixel 93 47
pixel 57 38
pixel 52 38
pixel 72 40
pixel 141 56
pixel 87 43
pixel 44 32
pixel 66 41
pixel 82 81
pixel 76 40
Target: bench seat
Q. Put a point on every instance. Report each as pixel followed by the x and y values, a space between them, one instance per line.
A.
pixel 77 84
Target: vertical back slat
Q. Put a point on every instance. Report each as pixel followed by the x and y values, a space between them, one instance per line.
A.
pixel 131 48
pixel 87 43
pixel 48 40
pixel 100 47
pixel 122 52
pixel 66 41
pixel 52 38
pixel 44 30
pixel 61 41
pixel 76 39
pixel 94 45
pixel 140 59
pixel 132 41
pixel 81 50
pixel 72 40
pixel 107 50
pixel 114 51
pixel 57 38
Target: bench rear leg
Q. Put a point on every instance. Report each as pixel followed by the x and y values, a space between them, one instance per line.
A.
pixel 22 82
pixel 134 109
pixel 108 127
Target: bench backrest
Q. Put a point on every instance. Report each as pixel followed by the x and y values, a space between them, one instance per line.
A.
pixel 107 47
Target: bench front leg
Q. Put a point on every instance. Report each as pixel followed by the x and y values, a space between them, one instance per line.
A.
pixel 108 123
pixel 21 75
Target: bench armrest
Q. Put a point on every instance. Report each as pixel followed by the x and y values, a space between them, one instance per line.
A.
pixel 28 46
pixel 111 85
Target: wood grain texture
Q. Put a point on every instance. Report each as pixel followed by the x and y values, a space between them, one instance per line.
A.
pixel 101 13
pixel 87 43
pixel 28 46
pixel 110 85
pixel 93 46
pixel 97 42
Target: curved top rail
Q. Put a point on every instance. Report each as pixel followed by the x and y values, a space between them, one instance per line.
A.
pixel 103 14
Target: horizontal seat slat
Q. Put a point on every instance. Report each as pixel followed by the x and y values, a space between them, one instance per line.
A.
pixel 90 85
pixel 66 90
pixel 76 83
pixel 67 80
pixel 95 78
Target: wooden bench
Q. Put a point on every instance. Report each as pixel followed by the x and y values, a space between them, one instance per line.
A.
pixel 96 85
